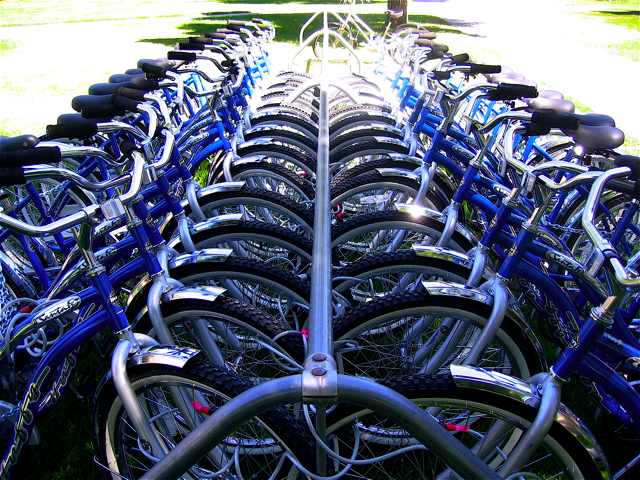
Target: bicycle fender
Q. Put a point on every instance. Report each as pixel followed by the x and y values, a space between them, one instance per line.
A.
pixel 220 220
pixel 419 211
pixel 457 290
pixel 521 391
pixel 163 355
pixel 206 255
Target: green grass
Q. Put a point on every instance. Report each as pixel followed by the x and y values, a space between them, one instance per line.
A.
pixel 629 49
pixel 36 12
pixel 288 24
pixel 625 18
pixel 6 45
pixel 624 13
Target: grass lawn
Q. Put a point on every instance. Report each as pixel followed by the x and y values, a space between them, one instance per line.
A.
pixel 623 13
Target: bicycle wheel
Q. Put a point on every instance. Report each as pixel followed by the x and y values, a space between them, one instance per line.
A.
pixel 389 230
pixel 482 420
pixel 270 289
pixel 379 190
pixel 165 392
pixel 254 204
pixel 385 273
pixel 251 239
pixel 422 333
pixel 271 177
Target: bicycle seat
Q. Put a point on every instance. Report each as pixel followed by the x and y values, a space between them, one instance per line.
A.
pixel 72 125
pixel 553 104
pixel 124 77
pixel 596 119
pixel 11 144
pixel 95 106
pixel 139 83
pixel 506 77
pixel 105 88
pixel 134 71
pixel 597 137
pixel 156 68
pixel 426 35
pixel 552 94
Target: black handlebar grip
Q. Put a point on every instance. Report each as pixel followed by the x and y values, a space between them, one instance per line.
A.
pixel 512 91
pixel 435 54
pixel 156 68
pixel 484 69
pixel 11 176
pixel 417 109
pixel 181 56
pixel 633 164
pixel 30 156
pixel 142 83
pixel 630 161
pixel 441 75
pixel 217 35
pixel 72 125
pixel 440 47
pixel 190 46
pixel 460 58
pixel 564 121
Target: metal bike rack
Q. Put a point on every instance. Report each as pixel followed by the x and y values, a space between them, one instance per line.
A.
pixel 320 384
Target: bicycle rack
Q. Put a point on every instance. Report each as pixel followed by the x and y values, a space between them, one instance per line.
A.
pixel 320 383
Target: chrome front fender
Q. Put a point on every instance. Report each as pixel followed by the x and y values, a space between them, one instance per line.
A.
pixel 520 391
pixel 202 195
pixel 199 256
pixel 398 172
pixel 163 355
pixel 442 253
pixel 458 290
pixel 178 293
pixel 418 211
pixel 153 355
pixel 220 220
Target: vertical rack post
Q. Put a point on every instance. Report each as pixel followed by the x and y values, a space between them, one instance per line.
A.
pixel 320 329
pixel 320 376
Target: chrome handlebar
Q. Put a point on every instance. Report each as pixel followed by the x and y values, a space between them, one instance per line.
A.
pixel 599 242
pixel 86 213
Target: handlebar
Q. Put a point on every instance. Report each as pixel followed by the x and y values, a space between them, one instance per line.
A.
pixel 86 213
pixel 599 242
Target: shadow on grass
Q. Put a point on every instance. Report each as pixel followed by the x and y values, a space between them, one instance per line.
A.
pixel 635 13
pixel 288 25
pixel 624 18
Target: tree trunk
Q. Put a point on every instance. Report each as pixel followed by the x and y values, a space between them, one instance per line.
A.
pixel 399 12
